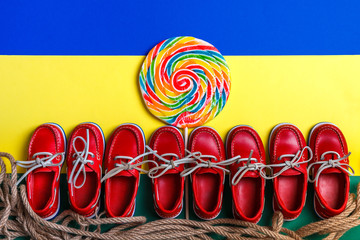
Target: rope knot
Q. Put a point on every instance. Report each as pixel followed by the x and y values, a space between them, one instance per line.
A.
pixel 172 163
pixel 38 161
pixel 290 164
pixel 253 166
pixel 331 163
pixel 126 166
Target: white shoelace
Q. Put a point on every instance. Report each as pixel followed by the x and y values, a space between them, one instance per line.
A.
pixel 332 163
pixel 198 160
pixel 295 162
pixel 81 158
pixel 161 169
pixel 46 161
pixel 249 166
pixel 130 165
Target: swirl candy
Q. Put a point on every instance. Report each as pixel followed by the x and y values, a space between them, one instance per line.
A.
pixel 185 81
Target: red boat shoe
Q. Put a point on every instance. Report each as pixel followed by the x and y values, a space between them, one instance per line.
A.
pixel 167 183
pixel 207 175
pixel 123 160
pixel 330 169
pixel 46 156
pixel 288 159
pixel 84 159
pixel 246 173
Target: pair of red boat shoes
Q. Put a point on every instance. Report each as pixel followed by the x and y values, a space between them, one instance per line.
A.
pixel 206 159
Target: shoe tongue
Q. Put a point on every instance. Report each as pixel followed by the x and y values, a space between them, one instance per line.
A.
pixel 331 170
pixel 291 172
pixel 172 171
pixel 44 169
pixel 207 170
pixel 126 173
pixel 88 168
pixel 251 174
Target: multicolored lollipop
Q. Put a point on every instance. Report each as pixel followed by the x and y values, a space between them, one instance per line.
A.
pixel 185 81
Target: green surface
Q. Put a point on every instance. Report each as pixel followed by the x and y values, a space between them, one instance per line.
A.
pixel 144 206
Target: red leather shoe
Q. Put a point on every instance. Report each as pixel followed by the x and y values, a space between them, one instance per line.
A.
pixel 45 158
pixel 246 174
pixel 288 158
pixel 123 159
pixel 84 160
pixel 330 169
pixel 207 176
pixel 167 184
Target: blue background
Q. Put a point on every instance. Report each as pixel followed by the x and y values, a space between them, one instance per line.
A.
pixel 133 27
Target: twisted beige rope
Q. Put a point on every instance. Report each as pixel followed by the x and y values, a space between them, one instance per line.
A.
pixel 17 219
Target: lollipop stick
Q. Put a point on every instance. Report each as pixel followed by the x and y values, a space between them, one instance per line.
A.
pixel 186 180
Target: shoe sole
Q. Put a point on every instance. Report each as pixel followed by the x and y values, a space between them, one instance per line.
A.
pixel 94 214
pixel 316 210
pixel 205 218
pixel 57 210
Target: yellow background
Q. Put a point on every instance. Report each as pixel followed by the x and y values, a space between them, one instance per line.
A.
pixel 266 90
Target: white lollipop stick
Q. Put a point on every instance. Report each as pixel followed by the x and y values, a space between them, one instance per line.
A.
pixel 186 135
